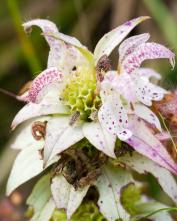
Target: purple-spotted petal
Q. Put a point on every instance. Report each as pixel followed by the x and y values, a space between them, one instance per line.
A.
pixel 146 114
pixel 110 40
pixel 146 51
pixel 129 45
pixel 40 85
pixel 144 142
pixel 113 117
pixel 63 53
pixel 146 91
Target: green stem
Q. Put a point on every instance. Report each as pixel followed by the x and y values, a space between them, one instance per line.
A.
pixel 27 48
pixel 164 19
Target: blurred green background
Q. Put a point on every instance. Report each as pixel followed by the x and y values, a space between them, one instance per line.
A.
pixel 21 56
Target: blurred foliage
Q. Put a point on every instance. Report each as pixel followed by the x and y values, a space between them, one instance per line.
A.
pixel 23 56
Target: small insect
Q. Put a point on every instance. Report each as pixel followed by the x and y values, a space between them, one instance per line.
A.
pixel 94 115
pixel 39 130
pixel 74 118
pixel 102 67
pixel 123 149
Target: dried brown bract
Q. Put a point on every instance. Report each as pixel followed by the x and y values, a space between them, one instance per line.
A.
pixel 167 107
pixel 39 130
pixel 78 168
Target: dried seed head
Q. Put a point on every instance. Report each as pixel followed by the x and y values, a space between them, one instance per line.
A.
pixel 39 130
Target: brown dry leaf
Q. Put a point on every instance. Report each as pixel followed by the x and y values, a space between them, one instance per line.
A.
pixel 167 107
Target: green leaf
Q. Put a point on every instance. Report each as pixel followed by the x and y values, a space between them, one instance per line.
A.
pixel 40 200
pixel 130 195
pixel 154 210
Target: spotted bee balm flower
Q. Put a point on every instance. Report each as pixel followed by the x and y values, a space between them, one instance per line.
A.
pixel 86 124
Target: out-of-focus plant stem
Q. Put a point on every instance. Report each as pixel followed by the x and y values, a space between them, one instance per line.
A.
pixel 27 47
pixel 164 19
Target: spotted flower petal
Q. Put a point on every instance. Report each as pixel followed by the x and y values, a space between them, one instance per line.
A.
pixel 49 105
pixel 113 117
pixel 110 40
pixel 129 45
pixel 144 142
pixel 63 52
pixel 100 138
pixel 41 84
pixel 143 52
pixel 146 91
pixel 60 135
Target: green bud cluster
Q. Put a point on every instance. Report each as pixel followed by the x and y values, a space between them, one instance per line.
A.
pixel 80 93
